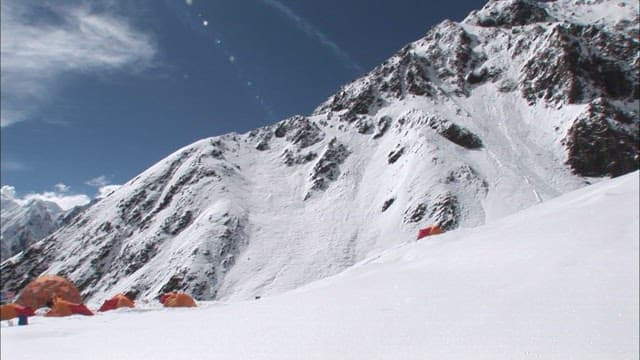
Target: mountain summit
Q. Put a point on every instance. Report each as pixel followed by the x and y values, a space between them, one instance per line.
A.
pixel 519 103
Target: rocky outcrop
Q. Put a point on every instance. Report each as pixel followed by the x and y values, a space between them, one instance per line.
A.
pixel 579 63
pixel 604 141
pixel 509 13
pixel 327 168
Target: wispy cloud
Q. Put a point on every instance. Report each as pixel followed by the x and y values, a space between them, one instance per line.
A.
pixel 315 34
pixel 41 42
pixel 11 165
pixel 105 188
pixel 62 188
pixel 98 181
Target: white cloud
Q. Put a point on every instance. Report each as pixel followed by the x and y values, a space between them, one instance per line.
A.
pixel 8 191
pixel 62 198
pixel 61 195
pixel 65 201
pixel 35 53
pixel 315 34
pixel 105 191
pixel 98 182
pixel 60 187
pixel 105 188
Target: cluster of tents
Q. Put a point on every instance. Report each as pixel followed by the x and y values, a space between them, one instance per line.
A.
pixel 63 299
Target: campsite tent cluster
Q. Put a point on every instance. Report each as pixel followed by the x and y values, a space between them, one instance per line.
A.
pixel 63 299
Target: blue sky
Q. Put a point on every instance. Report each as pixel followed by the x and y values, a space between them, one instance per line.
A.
pixel 95 92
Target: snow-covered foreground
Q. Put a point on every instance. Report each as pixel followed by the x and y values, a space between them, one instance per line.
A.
pixel 556 281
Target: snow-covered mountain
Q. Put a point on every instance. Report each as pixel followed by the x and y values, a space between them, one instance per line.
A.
pixel 24 224
pixel 558 280
pixel 517 104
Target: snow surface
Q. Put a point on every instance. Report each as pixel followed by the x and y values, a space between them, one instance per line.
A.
pixel 558 280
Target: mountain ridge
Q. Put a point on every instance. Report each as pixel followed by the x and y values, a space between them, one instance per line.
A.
pixel 473 122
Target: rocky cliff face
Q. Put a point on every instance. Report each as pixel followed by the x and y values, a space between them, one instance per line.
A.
pixel 472 122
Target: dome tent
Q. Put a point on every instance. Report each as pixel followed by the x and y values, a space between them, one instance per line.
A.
pixel 118 301
pixel 63 307
pixel 42 290
pixel 174 299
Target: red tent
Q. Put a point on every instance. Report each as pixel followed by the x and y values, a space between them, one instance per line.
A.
pixel 118 301
pixel 10 311
pixel 62 307
pixel 431 230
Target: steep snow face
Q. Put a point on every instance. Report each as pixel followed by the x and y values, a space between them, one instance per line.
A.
pixel 556 281
pixel 473 122
pixel 24 224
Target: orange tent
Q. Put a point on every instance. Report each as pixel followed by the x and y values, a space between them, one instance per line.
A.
pixel 115 302
pixel 431 230
pixel 10 311
pixel 174 299
pixel 63 307
pixel 41 290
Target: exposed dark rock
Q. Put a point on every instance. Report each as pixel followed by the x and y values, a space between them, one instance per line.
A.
pixel 466 175
pixel 137 258
pixel 300 131
pixel 415 214
pixel 364 126
pixel 387 204
pixel 175 283
pixel 327 168
pixel 395 155
pixel 281 129
pixel 604 141
pixel 482 75
pixel 263 144
pixel 382 126
pixel 304 133
pixel 15 274
pixel 454 133
pixel 515 13
pixel 461 136
pixel 445 211
pixel 416 79
pixel 291 158
pixel 175 223
pixel 581 64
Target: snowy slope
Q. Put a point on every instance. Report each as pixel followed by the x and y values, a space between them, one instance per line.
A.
pixel 556 281
pixel 519 103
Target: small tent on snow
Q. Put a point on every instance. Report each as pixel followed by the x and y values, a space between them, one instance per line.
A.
pixel 431 230
pixel 63 307
pixel 43 289
pixel 174 299
pixel 115 302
